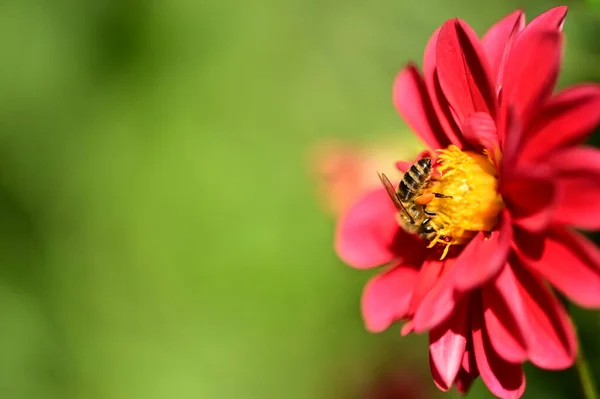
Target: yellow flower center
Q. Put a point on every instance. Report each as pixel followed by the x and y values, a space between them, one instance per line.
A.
pixel 471 181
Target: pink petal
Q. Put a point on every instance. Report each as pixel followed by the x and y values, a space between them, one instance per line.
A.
pixel 428 275
pixel 464 381
pixel 447 344
pixel 468 363
pixel 463 72
pixel 483 258
pixel 368 235
pixel 468 371
pixel 530 195
pixel 437 377
pixel 498 37
pixel 566 120
pixel 570 263
pixel 407 328
pixel 440 301
pixel 440 103
pixel 505 380
pixel 553 19
pixel 386 297
pixel 549 340
pixel 503 331
pixel 531 71
pixel 413 103
pixel 403 166
pixel 578 187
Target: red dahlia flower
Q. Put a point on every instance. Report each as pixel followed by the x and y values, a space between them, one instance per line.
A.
pixel 507 155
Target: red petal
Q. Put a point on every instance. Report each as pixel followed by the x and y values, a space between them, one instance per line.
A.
pixel 566 120
pixel 530 194
pixel 439 302
pixel 464 381
pixel 468 371
pixel 503 332
pixel 570 263
pixel 505 380
pixel 437 377
pixel 428 275
pixel 578 187
pixel 531 71
pixel 447 344
pixel 498 37
pixel 480 128
pixel 553 19
pixel 483 258
pixel 429 56
pixel 549 340
pixel 386 297
pixel 368 235
pixel 440 103
pixel 463 71
pixel 413 103
pixel 510 134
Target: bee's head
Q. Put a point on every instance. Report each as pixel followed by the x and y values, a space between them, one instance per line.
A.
pixel 426 162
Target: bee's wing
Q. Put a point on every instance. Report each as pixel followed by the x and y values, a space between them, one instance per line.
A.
pixel 392 194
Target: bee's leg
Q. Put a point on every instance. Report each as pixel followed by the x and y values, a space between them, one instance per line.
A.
pixel 424 199
pixel 429 213
pixel 439 195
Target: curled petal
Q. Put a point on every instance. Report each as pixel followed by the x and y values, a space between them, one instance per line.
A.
pixel 439 302
pixel 429 274
pixel 505 337
pixel 483 258
pixel 413 103
pixel 577 173
pixel 368 235
pixel 429 61
pixel 498 38
pixel 505 380
pixel 510 134
pixel 464 381
pixel 437 377
pixel 440 103
pixel 468 371
pixel 553 19
pixel 571 264
pixel 463 71
pixel 566 120
pixel 407 328
pixel 531 71
pixel 386 297
pixel 447 345
pixel 548 335
pixel 480 129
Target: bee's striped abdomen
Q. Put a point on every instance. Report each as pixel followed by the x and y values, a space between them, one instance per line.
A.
pixel 414 179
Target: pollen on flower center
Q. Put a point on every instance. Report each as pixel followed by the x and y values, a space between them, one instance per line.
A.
pixel 470 180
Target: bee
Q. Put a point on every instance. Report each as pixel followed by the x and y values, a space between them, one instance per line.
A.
pixel 411 198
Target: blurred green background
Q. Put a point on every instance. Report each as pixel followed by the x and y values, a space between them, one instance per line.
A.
pixel 159 232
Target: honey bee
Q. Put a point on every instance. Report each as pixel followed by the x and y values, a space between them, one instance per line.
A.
pixel 411 198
